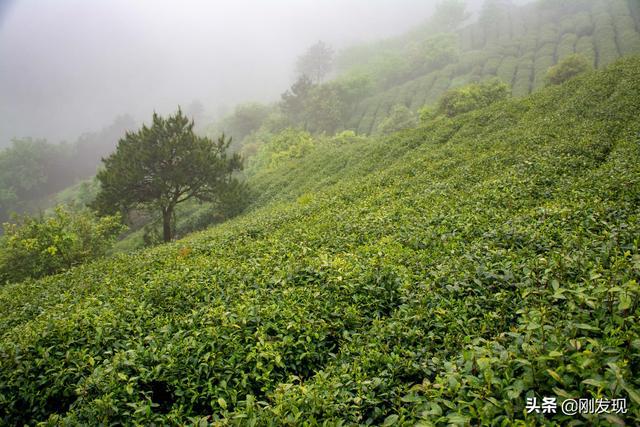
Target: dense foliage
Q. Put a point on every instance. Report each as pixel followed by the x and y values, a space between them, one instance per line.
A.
pixel 472 97
pixel 31 170
pixel 440 275
pixel 399 118
pixel 514 44
pixel 39 246
pixel 316 62
pixel 245 119
pixel 286 145
pixel 163 165
pixel 517 44
pixel 566 69
pixel 322 108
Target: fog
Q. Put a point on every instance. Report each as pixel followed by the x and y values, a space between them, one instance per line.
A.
pixel 71 66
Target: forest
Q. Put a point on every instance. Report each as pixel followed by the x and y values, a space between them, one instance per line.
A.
pixel 436 227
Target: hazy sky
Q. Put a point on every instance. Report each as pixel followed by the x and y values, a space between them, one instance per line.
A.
pixel 70 66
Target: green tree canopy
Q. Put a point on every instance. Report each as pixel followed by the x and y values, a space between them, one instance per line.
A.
pixel 449 15
pixel 29 170
pixel 294 100
pixel 245 119
pixel 325 109
pixel 165 164
pixel 433 53
pixel 316 62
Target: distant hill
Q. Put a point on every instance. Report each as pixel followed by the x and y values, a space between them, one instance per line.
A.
pixel 517 44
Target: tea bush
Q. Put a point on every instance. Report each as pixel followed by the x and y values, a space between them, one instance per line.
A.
pixel 566 69
pixel 38 246
pixel 472 97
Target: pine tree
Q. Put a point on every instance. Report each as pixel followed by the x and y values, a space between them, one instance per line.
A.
pixel 163 165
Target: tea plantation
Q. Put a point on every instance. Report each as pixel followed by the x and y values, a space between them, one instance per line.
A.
pixel 441 275
pixel 516 44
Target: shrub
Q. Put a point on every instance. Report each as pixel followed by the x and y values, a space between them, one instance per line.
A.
pixel 347 137
pixel 38 246
pixel 584 25
pixel 507 69
pixel 438 88
pixel 567 69
pixel 567 45
pixel 288 144
pixel 604 35
pixel 585 47
pixel 542 65
pixel 245 119
pixel 472 97
pixel 366 122
pixel 627 37
pixel 524 75
pixel 491 66
pixel 426 113
pixel 400 117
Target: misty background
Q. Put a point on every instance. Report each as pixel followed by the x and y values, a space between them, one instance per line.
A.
pixel 72 66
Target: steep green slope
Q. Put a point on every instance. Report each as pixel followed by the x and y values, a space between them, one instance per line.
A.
pixel 442 274
pixel 515 44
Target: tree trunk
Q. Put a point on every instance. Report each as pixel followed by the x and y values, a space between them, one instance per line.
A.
pixel 166 224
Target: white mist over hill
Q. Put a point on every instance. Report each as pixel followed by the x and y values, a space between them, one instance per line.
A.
pixel 71 66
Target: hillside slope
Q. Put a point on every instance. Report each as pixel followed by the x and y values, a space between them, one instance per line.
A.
pixel 515 44
pixel 442 274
